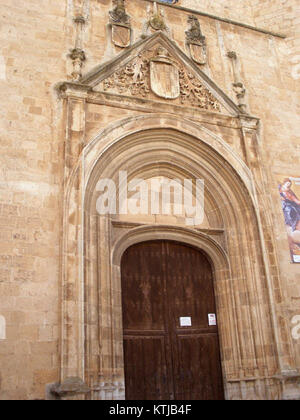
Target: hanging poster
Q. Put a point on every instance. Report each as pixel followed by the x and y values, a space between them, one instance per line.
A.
pixel 289 190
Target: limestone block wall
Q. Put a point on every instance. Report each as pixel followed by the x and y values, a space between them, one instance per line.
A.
pixel 280 15
pixel 283 153
pixel 229 9
pixel 31 154
pixel 35 42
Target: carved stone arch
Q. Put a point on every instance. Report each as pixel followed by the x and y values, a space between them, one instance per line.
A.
pixel 92 322
pixel 123 128
pixel 187 236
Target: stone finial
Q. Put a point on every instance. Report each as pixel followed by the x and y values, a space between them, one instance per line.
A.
pixel 80 19
pixel 155 20
pixel 238 86
pixel 77 54
pixel 239 90
pixel 78 57
pixel 232 55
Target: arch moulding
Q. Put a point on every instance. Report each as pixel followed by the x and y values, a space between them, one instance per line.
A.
pixel 91 343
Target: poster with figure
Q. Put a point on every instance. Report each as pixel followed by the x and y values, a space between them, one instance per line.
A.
pixel 289 190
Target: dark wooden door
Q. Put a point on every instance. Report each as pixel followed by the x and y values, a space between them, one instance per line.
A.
pixel 166 284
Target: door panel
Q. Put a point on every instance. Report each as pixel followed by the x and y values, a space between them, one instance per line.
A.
pixel 196 372
pixel 142 292
pixel 190 285
pixel 163 281
pixel 150 373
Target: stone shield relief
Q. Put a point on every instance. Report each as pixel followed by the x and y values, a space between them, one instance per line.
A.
pixel 198 53
pixel 164 76
pixel 121 35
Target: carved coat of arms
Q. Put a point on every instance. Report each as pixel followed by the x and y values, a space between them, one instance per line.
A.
pixel 198 53
pixel 164 76
pixel 196 41
pixel 120 25
pixel 121 36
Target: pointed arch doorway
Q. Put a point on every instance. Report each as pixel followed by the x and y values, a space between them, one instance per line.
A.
pixel 170 350
pixel 92 330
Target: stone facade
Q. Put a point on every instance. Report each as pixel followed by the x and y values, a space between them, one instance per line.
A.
pixel 77 105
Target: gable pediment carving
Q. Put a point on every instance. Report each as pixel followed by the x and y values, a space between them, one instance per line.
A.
pixel 149 76
pixel 156 69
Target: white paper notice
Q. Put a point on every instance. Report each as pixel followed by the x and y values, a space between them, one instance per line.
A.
pixel 185 321
pixel 212 319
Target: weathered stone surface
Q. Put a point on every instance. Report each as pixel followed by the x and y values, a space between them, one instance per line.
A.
pixel 48 292
pixel 70 387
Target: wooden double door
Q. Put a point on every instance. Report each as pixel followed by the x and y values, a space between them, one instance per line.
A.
pixel 170 350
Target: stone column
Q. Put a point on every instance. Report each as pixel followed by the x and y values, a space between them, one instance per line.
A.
pixel 72 323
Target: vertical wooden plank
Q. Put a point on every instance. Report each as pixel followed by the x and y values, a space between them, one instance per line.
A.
pixel 195 348
pixel 144 323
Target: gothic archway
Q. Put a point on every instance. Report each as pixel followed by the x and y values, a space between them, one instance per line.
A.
pixel 172 147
